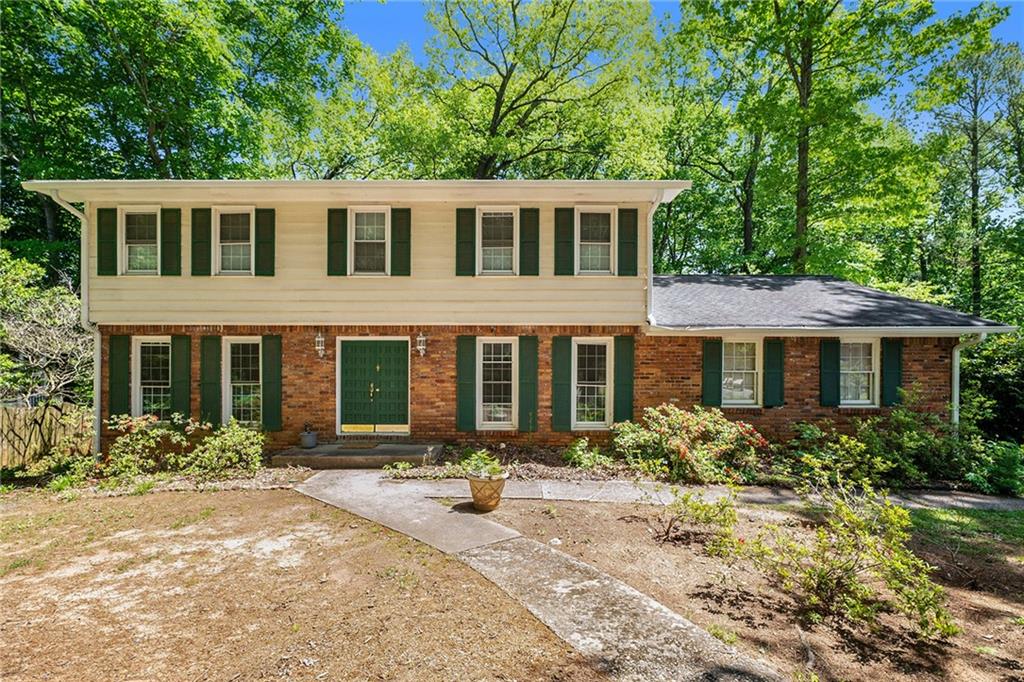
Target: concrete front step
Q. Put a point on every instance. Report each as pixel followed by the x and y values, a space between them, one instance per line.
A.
pixel 345 456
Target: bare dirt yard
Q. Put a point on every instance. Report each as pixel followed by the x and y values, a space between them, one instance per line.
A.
pixel 979 556
pixel 247 585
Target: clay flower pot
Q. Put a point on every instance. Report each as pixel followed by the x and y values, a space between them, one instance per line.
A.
pixel 486 490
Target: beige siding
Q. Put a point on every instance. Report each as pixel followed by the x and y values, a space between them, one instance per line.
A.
pixel 302 293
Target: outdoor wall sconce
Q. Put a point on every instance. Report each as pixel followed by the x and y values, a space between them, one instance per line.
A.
pixel 421 344
pixel 318 343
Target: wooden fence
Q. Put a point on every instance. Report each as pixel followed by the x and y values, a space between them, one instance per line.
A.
pixel 30 433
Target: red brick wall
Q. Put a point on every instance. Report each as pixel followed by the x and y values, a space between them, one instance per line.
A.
pixel 668 369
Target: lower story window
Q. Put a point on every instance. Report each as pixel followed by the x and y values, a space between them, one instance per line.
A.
pixel 497 383
pixel 739 373
pixel 243 378
pixel 857 373
pixel 153 379
pixel 590 383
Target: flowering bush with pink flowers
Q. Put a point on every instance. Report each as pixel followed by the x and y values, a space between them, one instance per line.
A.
pixel 695 446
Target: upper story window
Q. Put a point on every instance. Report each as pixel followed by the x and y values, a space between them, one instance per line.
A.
pixel 595 239
pixel 140 235
pixel 858 373
pixel 371 232
pixel 497 384
pixel 591 383
pixel 740 371
pixel 243 388
pixel 497 228
pixel 233 234
pixel 151 376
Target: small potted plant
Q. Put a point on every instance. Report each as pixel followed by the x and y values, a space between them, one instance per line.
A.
pixel 486 478
pixel 308 436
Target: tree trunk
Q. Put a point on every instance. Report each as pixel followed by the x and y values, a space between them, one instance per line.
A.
pixel 50 216
pixel 975 222
pixel 747 195
pixel 803 153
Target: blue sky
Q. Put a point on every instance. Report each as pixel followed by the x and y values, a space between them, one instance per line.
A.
pixel 385 26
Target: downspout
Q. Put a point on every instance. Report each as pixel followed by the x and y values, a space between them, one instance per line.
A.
pixel 650 256
pixel 84 315
pixel 955 397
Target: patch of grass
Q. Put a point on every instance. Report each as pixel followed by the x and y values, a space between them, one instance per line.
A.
pixel 142 487
pixel 7 488
pixel 987 650
pixel 404 578
pixel 978 530
pixel 189 519
pixel 1019 620
pixel 550 511
pixel 15 565
pixel 720 633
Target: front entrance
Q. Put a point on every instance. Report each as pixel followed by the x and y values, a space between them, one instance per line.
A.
pixel 373 386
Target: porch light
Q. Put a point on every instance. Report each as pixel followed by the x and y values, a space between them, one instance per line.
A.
pixel 421 344
pixel 318 343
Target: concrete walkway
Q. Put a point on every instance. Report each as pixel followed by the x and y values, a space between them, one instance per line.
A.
pixel 621 631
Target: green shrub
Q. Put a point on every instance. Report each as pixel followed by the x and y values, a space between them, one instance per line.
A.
pixel 690 517
pixel 997 468
pixel 698 446
pixel 145 445
pixel 819 447
pixel 480 463
pixel 231 448
pixel 857 563
pixel 579 454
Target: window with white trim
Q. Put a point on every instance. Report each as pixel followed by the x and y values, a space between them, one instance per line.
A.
pixel 497 231
pixel 151 377
pixel 370 232
pixel 858 372
pixel 591 383
pixel 496 385
pixel 140 239
pixel 243 389
pixel 233 234
pixel 740 371
pixel 595 240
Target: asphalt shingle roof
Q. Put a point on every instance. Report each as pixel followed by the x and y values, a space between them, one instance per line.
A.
pixel 796 301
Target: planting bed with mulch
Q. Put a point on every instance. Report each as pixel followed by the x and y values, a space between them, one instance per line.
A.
pixel 979 558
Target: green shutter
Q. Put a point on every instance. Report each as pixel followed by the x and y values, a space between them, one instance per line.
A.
pixel 170 241
pixel 561 383
pixel 271 382
pixel 337 241
pixel 528 383
pixel 623 387
pixel 774 372
pixel 106 241
pixel 209 380
pixel 465 383
pixel 181 375
pixel 711 380
pixel 529 241
pixel 263 265
pixel 119 375
pixel 201 244
pixel 465 241
pixel 565 257
pixel 401 242
pixel 892 371
pixel 628 240
pixel 828 370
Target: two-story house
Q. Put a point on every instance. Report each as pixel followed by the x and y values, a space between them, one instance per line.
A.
pixel 465 310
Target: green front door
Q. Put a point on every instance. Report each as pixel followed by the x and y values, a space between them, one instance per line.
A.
pixel 374 386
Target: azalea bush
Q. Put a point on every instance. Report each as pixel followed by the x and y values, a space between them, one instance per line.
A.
pixel 233 447
pixel 579 454
pixel 690 517
pixel 694 446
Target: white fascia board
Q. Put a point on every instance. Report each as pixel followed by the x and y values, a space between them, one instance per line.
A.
pixel 826 331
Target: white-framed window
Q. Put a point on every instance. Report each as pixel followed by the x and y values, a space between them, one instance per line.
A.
pixel 139 227
pixel 741 372
pixel 151 376
pixel 497 233
pixel 369 233
pixel 233 239
pixel 858 372
pixel 592 383
pixel 497 382
pixel 241 365
pixel 595 240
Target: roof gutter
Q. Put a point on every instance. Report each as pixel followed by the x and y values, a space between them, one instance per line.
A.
pixel 826 331
pixel 954 417
pixel 83 269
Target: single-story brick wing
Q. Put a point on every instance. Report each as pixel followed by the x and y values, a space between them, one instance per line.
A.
pixel 513 311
